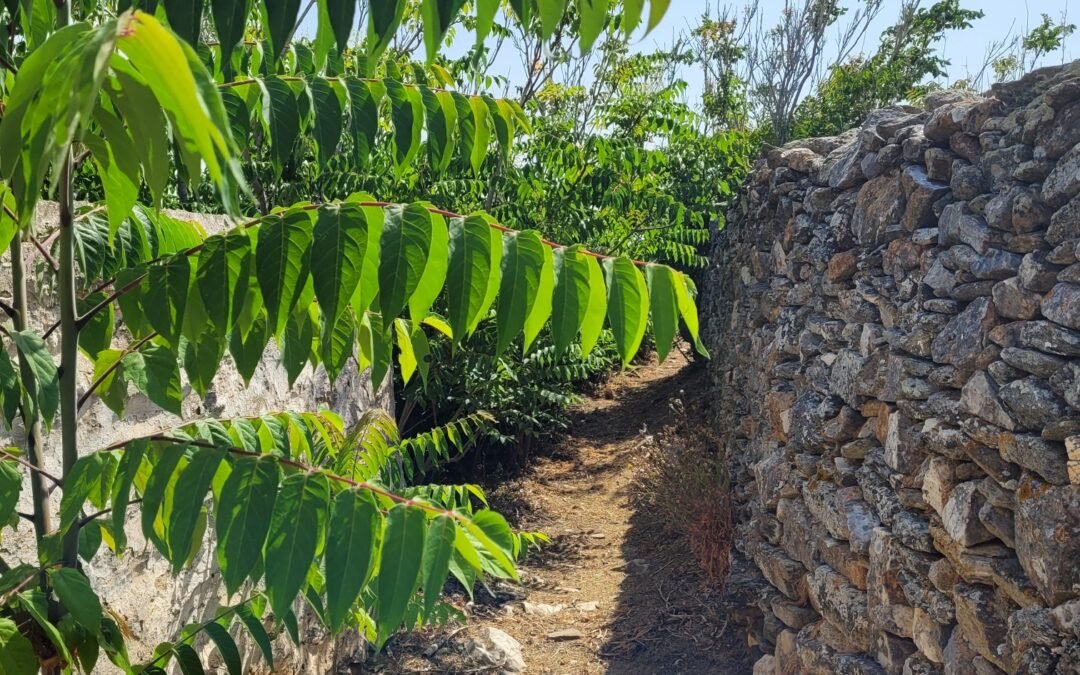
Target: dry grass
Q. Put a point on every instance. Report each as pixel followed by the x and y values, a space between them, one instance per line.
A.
pixel 683 484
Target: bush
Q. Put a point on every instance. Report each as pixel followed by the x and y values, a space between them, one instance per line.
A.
pixel 530 395
pixel 684 484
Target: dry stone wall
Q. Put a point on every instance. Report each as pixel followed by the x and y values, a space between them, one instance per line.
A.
pixel 894 316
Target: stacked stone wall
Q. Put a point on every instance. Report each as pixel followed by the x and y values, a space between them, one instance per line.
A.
pixel 894 316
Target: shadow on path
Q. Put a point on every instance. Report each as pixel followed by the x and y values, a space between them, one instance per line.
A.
pixel 667 619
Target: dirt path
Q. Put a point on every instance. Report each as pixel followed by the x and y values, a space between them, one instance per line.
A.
pixel 625 598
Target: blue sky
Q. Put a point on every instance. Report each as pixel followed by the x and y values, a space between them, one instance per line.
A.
pixel 964 49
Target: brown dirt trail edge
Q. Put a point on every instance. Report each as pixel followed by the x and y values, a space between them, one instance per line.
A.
pixel 632 599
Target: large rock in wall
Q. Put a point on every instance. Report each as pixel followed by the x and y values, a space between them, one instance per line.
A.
pixel 139 587
pixel 894 316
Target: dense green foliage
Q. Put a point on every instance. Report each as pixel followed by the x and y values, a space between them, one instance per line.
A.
pixel 136 109
pixel 897 71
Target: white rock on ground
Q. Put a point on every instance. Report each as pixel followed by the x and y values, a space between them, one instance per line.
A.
pixel 497 648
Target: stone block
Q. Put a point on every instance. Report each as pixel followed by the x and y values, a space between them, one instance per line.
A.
pixel 964 338
pixel 929 636
pixel 961 515
pixel 1062 305
pixel 1048 538
pixel 842 511
pixel 983 616
pixel 842 605
pixel 787 575
pixel 818 657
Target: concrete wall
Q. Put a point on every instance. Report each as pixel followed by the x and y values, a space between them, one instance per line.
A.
pixel 139 586
pixel 894 316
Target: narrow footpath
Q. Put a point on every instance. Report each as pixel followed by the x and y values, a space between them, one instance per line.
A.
pixel 612 593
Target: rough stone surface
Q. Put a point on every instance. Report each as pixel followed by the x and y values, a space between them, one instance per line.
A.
pixel 906 344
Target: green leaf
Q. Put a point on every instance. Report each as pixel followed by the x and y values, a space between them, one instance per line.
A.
pixel 551 14
pixel 185 18
pixel 628 306
pixel 202 357
pixel 185 90
pixel 140 110
pixel 593 323
pixel 523 10
pixel 154 371
pixel 341 14
pixel 90 539
pixel 421 352
pixel 280 21
pixel 247 351
pixel 281 115
pixel 405 247
pixel 337 255
pixel 438 16
pixel 328 122
pixel 242 518
pixel 406 355
pixel 281 264
pixel 657 9
pixel 299 336
pixel 503 120
pixel 32 348
pixel 350 546
pixel 153 494
pixel 485 18
pixel 130 461
pixel 10 389
pixel 221 267
pixel 441 125
pixel 364 98
pixel 491 530
pixel 438 548
pixel 336 343
pixel 188 659
pixel 297 528
pixel 239 116
pixel 407 115
pixel 230 18
pixel 540 309
pixel 10 487
pixel 16 653
pixel 570 298
pixel 631 15
pixel 226 647
pixel 258 634
pixel 474 261
pixel 431 281
pixel 97 333
pixel 187 503
pixel 665 316
pixel 384 17
pixel 133 280
pixel 482 132
pixel 403 543
pixel 75 594
pixel 522 262
pixel 85 477
pixel 593 14
pixel 164 296
pixel 688 310
pixel 376 344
